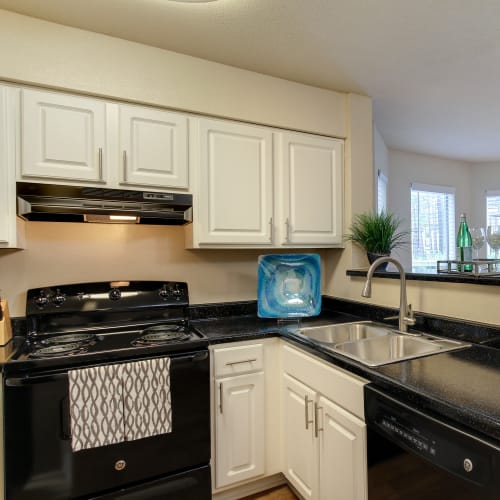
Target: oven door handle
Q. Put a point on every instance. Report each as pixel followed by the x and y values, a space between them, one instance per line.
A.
pixel 199 356
pixel 27 381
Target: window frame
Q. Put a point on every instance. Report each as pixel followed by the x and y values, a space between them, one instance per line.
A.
pixel 446 229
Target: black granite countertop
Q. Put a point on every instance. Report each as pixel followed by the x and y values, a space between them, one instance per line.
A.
pixel 473 279
pixel 461 386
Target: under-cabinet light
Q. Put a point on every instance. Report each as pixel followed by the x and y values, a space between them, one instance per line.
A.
pixel 111 219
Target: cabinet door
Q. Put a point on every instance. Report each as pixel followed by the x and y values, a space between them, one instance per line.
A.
pixel 63 136
pixel 342 455
pixel 235 183
pixel 153 147
pixel 301 457
pixel 10 226
pixel 311 189
pixel 6 215
pixel 239 427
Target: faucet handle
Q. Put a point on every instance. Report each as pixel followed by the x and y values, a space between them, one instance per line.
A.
pixel 389 318
pixel 409 316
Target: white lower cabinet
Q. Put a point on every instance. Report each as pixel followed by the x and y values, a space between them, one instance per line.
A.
pixel 314 434
pixel 324 443
pixel 245 412
pixel 342 452
pixel 301 458
pixel 240 428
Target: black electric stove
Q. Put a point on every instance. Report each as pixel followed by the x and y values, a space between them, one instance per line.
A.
pixel 89 323
pixel 74 328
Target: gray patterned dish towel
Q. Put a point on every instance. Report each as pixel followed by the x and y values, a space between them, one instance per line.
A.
pixel 122 402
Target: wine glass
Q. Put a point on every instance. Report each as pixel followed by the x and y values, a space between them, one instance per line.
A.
pixel 477 234
pixel 493 238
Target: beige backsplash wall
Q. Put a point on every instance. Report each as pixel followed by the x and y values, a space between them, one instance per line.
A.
pixel 60 253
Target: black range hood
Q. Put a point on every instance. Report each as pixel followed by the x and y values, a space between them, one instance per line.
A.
pixel 58 203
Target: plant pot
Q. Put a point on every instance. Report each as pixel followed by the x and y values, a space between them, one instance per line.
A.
pixel 372 257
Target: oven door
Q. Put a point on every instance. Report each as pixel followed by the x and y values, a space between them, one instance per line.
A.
pixel 41 464
pixel 413 455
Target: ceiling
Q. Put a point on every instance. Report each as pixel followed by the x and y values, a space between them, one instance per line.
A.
pixel 432 67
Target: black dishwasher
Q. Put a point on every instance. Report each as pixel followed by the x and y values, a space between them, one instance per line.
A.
pixel 414 455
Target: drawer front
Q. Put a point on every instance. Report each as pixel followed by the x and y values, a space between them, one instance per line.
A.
pixel 342 387
pixel 239 359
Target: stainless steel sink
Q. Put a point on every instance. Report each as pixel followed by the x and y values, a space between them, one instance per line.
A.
pixel 375 344
pixel 388 349
pixel 343 332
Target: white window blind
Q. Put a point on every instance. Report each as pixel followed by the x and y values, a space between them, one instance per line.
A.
pixel 432 225
pixel 492 214
pixel 381 192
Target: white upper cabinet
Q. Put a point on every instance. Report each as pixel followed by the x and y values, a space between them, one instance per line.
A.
pixel 78 140
pixel 234 183
pixel 153 145
pixel 261 187
pixel 310 184
pixel 11 228
pixel 63 136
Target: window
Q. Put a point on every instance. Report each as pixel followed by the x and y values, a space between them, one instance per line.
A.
pixel 381 192
pixel 492 215
pixel 432 225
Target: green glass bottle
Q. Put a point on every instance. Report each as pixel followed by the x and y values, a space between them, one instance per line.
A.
pixel 464 245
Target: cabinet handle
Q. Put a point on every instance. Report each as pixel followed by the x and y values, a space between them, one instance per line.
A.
pixel 230 363
pixel 317 429
pixel 271 230
pixel 287 230
pixel 100 164
pixel 124 166
pixel 306 405
pixel 220 397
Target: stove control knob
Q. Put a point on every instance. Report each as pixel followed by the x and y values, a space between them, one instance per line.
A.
pixel 115 294
pixel 163 292
pixel 177 292
pixel 59 298
pixel 41 301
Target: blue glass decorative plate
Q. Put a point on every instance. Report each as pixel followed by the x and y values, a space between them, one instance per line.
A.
pixel 289 286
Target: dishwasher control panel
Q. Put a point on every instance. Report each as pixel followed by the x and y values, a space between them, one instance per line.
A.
pixel 432 437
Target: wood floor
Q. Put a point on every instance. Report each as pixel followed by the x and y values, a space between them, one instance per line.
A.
pixel 279 493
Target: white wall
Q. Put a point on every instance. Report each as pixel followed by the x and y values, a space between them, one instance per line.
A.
pixel 44 53
pixel 380 160
pixel 483 176
pixel 407 168
pixel 471 302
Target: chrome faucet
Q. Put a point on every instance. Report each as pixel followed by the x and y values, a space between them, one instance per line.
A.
pixel 405 313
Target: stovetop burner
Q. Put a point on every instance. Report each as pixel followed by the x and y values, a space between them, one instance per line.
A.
pixel 161 334
pixel 105 322
pixel 70 338
pixel 56 350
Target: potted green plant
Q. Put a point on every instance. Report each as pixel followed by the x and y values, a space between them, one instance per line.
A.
pixel 377 233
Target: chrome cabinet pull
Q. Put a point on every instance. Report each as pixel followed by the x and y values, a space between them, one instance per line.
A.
pixel 271 230
pixel 124 166
pixel 100 164
pixel 317 429
pixel 220 397
pixel 230 363
pixel 287 230
pixel 306 406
